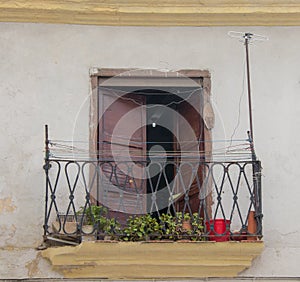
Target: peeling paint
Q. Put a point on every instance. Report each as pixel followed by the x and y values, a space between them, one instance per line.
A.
pixel 7 232
pixel 6 205
pixel 33 266
pixel 24 263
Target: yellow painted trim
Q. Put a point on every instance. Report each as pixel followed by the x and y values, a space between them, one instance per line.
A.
pixel 154 12
pixel 143 260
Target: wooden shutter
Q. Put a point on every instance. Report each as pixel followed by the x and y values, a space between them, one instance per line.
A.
pixel 190 146
pixel 122 151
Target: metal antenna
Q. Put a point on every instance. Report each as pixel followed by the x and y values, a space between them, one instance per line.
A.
pixel 247 38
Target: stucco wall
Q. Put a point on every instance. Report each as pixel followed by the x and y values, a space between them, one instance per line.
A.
pixel 44 74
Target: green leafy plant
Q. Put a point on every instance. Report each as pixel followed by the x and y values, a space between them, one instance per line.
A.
pixel 175 227
pixel 97 216
pixel 182 226
pixel 91 214
pixel 198 227
pixel 144 227
pixel 186 217
pixel 141 228
pixel 169 226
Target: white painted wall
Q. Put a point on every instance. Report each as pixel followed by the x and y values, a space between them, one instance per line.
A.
pixel 44 72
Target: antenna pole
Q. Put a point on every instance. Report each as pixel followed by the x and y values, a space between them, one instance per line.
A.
pixel 247 37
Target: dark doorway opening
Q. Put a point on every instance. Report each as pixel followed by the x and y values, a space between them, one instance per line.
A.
pixel 161 167
pixel 161 149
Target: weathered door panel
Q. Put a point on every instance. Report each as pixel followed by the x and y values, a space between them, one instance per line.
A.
pixel 190 145
pixel 122 150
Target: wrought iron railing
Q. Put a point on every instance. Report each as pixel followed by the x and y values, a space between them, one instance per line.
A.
pixel 104 199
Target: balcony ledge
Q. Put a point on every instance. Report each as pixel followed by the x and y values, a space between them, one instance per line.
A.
pixel 146 260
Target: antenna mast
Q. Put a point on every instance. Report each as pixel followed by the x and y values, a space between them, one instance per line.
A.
pixel 246 38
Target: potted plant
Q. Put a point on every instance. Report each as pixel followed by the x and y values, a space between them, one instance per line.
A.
pixel 186 222
pixel 197 227
pixel 252 228
pixel 96 218
pixel 218 229
pixel 169 226
pixel 141 228
pixel 181 226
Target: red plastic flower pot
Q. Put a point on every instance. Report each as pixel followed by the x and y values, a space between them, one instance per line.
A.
pixel 217 231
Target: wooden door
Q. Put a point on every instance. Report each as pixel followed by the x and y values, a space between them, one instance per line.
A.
pixel 122 152
pixel 190 147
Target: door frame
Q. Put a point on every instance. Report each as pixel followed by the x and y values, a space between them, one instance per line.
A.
pixel 97 76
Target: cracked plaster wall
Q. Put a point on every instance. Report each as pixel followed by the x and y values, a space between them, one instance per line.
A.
pixel 45 79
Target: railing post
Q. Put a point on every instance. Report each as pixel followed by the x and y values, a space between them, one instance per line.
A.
pixel 256 176
pixel 258 196
pixel 46 168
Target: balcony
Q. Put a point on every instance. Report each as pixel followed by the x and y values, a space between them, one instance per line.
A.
pixel 111 213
